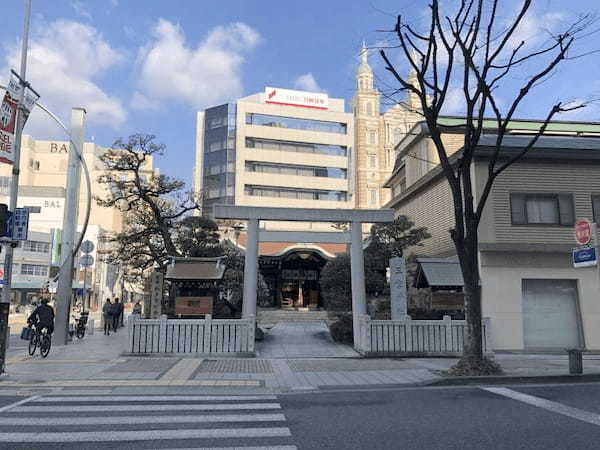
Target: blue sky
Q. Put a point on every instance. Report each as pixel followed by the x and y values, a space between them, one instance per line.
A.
pixel 148 65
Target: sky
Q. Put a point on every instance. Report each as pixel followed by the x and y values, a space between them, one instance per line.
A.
pixel 147 66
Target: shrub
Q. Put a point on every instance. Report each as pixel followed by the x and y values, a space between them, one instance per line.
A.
pixel 342 329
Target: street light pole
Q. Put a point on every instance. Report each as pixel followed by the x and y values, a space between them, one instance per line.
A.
pixel 14 185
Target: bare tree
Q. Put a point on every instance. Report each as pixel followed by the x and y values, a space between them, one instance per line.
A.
pixel 153 205
pixel 473 48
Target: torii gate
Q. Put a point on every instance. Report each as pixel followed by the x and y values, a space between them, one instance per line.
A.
pixel 356 217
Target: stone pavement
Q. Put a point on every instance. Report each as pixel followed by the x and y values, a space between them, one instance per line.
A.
pixel 293 357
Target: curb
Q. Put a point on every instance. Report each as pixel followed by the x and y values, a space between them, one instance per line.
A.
pixel 508 379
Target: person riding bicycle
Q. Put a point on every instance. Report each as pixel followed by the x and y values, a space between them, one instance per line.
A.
pixel 42 317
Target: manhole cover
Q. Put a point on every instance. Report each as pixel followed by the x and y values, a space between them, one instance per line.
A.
pixel 236 366
pixel 342 365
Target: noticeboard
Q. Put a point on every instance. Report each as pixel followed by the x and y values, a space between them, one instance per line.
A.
pixel 193 306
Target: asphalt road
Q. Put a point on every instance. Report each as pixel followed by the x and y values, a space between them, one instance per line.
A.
pixel 513 417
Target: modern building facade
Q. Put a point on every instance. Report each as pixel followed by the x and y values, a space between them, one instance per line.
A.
pixel 535 297
pixel 276 148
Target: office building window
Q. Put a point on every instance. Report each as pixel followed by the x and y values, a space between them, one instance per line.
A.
pixel 542 209
pixel 34 269
pixel 295 123
pixel 36 246
pixel 299 147
pixel 302 194
pixel 303 171
pixel 34 209
pixel 5 185
pixel 596 208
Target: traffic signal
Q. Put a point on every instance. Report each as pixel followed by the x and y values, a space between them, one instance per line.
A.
pixel 4 216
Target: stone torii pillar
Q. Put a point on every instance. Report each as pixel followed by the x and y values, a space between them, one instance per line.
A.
pixel 250 270
pixel 357 268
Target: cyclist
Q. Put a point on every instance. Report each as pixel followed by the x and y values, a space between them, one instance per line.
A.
pixel 42 317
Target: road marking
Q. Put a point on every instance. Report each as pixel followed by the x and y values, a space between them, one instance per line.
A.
pixel 277 447
pixel 559 408
pixel 126 420
pixel 173 407
pixel 152 398
pixel 20 402
pixel 183 370
pixel 144 435
pixel 129 382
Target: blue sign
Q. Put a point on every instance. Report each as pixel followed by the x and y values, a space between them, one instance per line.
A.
pixel 585 257
pixel 18 224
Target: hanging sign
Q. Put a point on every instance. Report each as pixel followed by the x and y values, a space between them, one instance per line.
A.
pixel 8 116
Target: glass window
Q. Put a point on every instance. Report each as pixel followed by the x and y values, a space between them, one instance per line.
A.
pixel 304 171
pixel 397 135
pixel 305 194
pixel 34 269
pixel 372 161
pixel 4 185
pixel 300 147
pixel 596 208
pixel 371 137
pixel 295 123
pixel 542 209
pixel 36 246
pixel 369 108
pixel 34 209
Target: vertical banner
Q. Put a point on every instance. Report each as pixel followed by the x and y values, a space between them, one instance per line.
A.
pixel 8 116
pixel 8 119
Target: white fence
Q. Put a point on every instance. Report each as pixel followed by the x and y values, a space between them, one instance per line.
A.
pixel 231 336
pixel 416 337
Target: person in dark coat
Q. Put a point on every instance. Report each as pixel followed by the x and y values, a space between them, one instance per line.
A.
pixel 42 317
pixel 116 313
pixel 107 316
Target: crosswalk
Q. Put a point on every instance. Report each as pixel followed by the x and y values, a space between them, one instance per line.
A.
pixel 146 421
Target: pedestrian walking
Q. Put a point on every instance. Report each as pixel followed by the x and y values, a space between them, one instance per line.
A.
pixel 107 316
pixel 116 313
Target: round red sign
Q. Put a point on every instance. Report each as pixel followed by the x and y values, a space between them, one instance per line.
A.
pixel 583 232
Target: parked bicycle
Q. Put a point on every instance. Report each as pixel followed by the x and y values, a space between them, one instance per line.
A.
pixel 41 339
pixel 80 325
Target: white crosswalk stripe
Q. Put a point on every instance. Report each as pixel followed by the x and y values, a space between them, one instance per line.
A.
pixel 241 422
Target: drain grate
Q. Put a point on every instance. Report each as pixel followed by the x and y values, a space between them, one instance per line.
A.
pixel 236 366
pixel 342 365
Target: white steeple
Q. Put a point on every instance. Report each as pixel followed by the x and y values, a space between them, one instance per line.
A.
pixel 364 60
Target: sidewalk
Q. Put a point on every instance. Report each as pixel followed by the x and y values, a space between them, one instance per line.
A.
pixel 97 361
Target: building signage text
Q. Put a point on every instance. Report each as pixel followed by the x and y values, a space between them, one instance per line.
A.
pixel 58 148
pixel 288 97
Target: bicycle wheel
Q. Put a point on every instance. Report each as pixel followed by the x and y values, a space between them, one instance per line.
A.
pixel 45 346
pixel 80 333
pixel 33 343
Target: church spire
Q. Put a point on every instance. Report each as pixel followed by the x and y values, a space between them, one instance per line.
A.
pixel 364 54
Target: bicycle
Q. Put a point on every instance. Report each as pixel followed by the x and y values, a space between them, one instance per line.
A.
pixel 42 340
pixel 80 325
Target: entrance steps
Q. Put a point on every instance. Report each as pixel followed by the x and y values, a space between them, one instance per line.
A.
pixel 289 315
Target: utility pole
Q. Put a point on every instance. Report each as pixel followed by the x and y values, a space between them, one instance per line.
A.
pixel 64 291
pixel 14 187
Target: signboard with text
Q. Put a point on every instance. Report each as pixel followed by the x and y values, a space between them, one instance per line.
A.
pixel 585 257
pixel 193 306
pixel 287 97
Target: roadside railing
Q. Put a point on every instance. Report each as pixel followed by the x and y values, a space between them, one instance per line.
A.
pixel 230 336
pixel 444 337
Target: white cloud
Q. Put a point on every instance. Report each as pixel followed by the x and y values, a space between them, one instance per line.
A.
pixel 140 101
pixel 80 9
pixel 201 75
pixel 65 58
pixel 307 82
